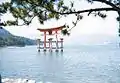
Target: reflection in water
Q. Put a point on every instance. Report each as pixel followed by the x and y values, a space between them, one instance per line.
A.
pixel 52 65
pixel 51 53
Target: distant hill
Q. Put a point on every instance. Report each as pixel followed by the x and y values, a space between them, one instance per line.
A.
pixel 4 32
pixel 7 39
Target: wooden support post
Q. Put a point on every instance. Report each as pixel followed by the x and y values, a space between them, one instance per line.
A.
pixel 61 44
pixel 45 41
pixel 50 44
pixel 56 41
pixel 39 43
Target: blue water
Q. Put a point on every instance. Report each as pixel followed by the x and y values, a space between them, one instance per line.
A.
pixel 78 64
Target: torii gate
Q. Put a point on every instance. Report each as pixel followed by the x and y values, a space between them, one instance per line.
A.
pixel 50 32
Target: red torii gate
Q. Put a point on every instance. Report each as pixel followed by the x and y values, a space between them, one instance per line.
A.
pixel 50 32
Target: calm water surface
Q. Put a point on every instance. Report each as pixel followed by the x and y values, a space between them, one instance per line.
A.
pixel 82 64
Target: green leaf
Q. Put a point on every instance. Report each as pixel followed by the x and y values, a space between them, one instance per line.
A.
pixel 65 32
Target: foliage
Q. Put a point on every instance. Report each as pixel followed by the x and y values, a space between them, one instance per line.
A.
pixel 27 10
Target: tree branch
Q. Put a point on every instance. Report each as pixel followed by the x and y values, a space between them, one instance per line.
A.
pixel 28 21
pixel 87 10
pixel 109 3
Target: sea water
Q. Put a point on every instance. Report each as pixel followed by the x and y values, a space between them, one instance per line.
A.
pixel 77 64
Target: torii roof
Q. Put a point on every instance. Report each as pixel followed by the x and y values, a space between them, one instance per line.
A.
pixel 51 29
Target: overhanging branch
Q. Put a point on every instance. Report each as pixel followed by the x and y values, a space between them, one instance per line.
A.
pixel 87 10
pixel 109 3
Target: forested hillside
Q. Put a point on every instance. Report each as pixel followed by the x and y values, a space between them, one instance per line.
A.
pixel 7 39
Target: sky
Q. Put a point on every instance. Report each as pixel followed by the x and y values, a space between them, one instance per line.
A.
pixel 90 29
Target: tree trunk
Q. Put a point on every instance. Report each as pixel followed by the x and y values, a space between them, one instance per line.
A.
pixel 0 79
pixel 119 27
pixel 119 24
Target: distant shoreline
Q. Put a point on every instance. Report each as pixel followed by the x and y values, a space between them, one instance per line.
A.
pixel 19 80
pixel 16 46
